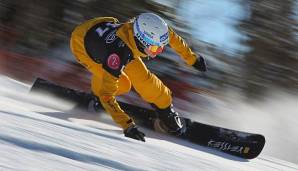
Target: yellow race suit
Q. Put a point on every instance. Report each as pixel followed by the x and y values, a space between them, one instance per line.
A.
pixel 108 50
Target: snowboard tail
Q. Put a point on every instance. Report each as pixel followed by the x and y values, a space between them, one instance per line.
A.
pixel 238 143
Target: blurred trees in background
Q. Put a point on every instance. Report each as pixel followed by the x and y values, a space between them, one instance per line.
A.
pixel 37 28
pixel 273 59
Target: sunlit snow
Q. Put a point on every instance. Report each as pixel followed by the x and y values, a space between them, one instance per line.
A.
pixel 37 135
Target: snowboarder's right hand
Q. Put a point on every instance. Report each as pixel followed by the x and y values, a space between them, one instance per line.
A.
pixel 200 64
pixel 133 132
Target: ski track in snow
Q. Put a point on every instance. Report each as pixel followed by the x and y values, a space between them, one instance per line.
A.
pixel 39 136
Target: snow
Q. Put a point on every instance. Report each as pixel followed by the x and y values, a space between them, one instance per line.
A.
pixel 37 135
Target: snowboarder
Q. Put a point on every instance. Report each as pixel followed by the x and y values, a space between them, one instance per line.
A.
pixel 112 52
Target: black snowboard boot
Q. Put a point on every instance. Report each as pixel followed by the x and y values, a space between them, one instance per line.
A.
pixel 170 120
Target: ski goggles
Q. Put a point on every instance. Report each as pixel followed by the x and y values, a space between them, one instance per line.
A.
pixel 155 50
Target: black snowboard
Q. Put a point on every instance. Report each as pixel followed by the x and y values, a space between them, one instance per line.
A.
pixel 237 143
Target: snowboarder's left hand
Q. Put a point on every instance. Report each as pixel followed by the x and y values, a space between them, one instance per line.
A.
pixel 133 132
pixel 200 64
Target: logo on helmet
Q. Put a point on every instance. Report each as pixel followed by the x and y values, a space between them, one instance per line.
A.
pixel 164 37
pixel 142 39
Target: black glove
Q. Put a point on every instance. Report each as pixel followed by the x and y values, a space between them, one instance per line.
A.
pixel 200 64
pixel 133 132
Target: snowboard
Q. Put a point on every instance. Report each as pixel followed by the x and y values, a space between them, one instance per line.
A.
pixel 237 143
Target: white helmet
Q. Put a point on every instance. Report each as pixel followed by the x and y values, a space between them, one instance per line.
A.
pixel 150 29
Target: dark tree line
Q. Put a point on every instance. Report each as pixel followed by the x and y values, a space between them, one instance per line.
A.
pixel 37 27
pixel 272 61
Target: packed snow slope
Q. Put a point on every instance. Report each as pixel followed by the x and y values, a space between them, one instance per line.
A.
pixel 37 134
